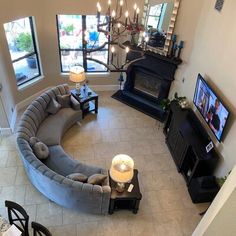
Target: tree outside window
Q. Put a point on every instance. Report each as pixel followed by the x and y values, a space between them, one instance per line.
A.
pixel 22 47
pixel 73 42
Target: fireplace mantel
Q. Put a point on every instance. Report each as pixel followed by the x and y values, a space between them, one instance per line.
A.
pixel 161 69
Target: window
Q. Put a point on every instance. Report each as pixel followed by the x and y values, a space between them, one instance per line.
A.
pixel 154 15
pixel 21 42
pixel 73 42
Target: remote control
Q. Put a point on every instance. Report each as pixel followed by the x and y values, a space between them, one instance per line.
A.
pixel 131 186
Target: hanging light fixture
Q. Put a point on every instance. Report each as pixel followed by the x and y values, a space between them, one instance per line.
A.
pixel 122 30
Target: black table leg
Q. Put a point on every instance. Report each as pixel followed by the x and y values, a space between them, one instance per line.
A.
pixel 136 207
pixel 111 207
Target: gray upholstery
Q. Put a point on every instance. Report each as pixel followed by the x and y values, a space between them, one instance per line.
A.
pixel 64 100
pixel 78 177
pixel 53 107
pixel 49 176
pixel 56 125
pixel 40 150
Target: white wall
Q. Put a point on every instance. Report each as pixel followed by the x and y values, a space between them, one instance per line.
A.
pixel 212 53
pixel 44 12
pixel 3 118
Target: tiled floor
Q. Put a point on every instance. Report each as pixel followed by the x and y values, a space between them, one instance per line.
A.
pixel 166 208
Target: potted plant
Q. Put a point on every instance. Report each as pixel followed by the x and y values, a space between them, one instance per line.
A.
pixel 165 103
pixel 69 29
pixel 221 180
pixel 24 43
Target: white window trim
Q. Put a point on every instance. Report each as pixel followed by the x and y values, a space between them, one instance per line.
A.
pixel 30 83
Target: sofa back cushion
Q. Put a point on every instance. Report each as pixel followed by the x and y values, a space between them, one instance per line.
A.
pixel 36 111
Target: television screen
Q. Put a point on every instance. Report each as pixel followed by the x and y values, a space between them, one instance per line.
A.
pixel 211 108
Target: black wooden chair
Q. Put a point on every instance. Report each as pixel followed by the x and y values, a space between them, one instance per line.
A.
pixel 18 216
pixel 39 229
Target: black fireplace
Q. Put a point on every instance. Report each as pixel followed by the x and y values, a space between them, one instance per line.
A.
pixel 148 83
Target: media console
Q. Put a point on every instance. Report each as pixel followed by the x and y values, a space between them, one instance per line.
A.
pixel 187 140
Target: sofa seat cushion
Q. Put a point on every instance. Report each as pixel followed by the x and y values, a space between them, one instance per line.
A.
pixel 53 127
pixel 63 164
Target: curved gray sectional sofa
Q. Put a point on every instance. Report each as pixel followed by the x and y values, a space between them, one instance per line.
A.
pixel 49 176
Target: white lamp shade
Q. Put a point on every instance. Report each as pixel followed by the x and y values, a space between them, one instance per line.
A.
pixel 77 74
pixel 122 168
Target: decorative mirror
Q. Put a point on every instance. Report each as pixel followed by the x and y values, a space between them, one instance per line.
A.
pixel 159 18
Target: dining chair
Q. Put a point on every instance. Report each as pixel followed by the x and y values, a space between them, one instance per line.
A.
pixel 18 216
pixel 39 230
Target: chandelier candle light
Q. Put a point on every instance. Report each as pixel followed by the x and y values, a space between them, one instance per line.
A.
pixel 117 26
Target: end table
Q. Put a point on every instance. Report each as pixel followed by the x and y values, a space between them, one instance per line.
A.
pixel 86 97
pixel 125 200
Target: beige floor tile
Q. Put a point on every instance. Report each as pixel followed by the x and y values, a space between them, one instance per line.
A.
pixel 7 176
pixel 92 228
pixel 3 212
pixel 12 193
pixel 64 230
pixel 172 228
pixel 165 209
pixel 71 216
pixel 33 196
pixel 14 159
pixel 110 135
pixel 49 214
pixel 21 177
pixel 3 158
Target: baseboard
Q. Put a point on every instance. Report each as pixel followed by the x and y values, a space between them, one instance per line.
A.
pixel 104 87
pixel 5 131
pixel 101 88
pixel 24 104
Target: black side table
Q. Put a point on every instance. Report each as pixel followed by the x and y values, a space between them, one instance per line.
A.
pixel 89 97
pixel 125 200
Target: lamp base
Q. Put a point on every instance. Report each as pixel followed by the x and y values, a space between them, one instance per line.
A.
pixel 120 187
pixel 77 88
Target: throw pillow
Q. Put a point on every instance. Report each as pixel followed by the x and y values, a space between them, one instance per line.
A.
pixel 96 179
pixel 74 103
pixel 41 150
pixel 78 177
pixel 53 107
pixel 64 100
pixel 33 141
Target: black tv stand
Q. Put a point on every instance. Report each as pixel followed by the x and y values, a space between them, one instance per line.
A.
pixel 187 140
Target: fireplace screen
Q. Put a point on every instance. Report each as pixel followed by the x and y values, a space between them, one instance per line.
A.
pixel 147 84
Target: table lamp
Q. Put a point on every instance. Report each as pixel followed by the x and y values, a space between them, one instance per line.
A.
pixel 77 76
pixel 122 170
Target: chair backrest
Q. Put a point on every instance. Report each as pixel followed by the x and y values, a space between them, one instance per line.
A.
pixel 39 230
pixel 18 216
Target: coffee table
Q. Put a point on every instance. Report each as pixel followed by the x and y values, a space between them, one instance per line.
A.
pixel 125 200
pixel 88 100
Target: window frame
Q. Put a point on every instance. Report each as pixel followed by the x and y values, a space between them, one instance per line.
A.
pixel 35 52
pixel 159 16
pixel 83 49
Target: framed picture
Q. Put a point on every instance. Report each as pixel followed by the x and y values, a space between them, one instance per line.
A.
pixel 219 5
pixel 209 147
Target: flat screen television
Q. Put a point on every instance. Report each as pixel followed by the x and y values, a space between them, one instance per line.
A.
pixel 211 107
